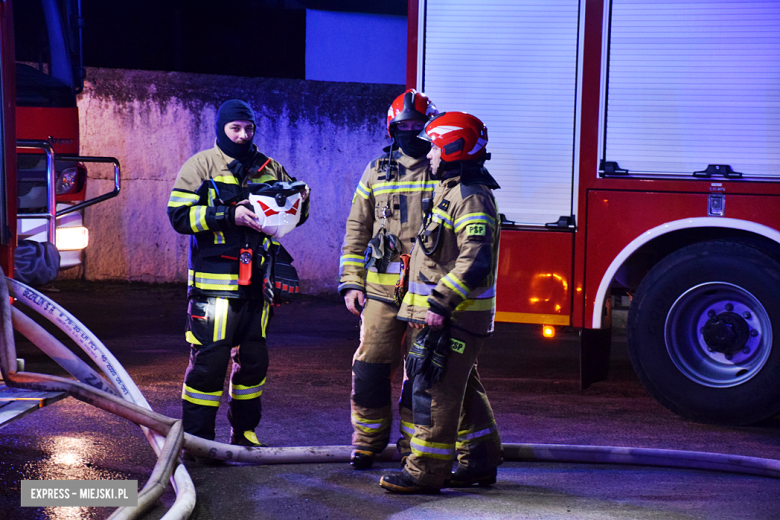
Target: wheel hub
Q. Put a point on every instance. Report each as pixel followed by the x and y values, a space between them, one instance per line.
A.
pixel 726 332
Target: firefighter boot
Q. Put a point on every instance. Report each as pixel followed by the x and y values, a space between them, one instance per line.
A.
pixel 247 438
pixel 362 458
pixel 401 483
pixel 464 477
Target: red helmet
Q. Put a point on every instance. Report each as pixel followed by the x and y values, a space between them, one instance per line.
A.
pixel 461 136
pixel 411 105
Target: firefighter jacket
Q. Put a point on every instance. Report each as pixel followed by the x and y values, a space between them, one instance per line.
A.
pixel 207 184
pixel 454 261
pixel 389 194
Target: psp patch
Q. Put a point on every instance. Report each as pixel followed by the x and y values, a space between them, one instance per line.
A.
pixel 457 345
pixel 476 230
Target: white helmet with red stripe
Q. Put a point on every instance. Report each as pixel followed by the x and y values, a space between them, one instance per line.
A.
pixel 279 207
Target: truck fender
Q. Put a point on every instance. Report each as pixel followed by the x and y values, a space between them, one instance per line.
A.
pixel 669 227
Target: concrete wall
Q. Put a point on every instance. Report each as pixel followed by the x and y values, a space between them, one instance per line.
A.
pixel 323 133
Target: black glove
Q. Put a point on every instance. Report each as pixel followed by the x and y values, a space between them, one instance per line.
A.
pixel 428 355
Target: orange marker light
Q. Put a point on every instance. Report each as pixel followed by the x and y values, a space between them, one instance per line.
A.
pixel 548 331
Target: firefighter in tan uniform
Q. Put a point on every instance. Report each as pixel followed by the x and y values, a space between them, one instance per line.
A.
pixel 386 213
pixel 451 296
pixel 227 316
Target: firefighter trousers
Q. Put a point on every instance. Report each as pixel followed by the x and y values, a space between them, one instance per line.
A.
pixel 218 329
pixel 381 350
pixel 452 418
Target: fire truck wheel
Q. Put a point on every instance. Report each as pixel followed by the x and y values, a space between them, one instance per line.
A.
pixel 701 333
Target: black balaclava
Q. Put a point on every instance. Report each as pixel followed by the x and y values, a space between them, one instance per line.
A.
pixel 411 145
pixel 234 110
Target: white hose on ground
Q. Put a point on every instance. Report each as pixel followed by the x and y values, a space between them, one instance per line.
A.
pixel 155 486
pixel 118 377
pixel 318 454
pixel 61 354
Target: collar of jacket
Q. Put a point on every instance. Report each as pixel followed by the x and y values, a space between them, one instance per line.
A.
pixel 470 174
pixel 258 159
pixel 408 162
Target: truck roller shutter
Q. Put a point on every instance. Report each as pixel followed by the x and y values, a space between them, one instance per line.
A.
pixel 693 83
pixel 513 65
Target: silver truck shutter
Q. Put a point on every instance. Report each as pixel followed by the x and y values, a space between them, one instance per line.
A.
pixel 694 83
pixel 513 65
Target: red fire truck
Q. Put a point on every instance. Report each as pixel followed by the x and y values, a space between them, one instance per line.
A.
pixel 51 177
pixel 637 144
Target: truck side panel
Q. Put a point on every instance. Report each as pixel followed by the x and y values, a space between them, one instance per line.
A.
pixel 535 277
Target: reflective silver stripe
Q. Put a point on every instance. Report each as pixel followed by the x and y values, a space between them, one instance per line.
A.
pixel 475 435
pixel 407 429
pixel 203 397
pixel 210 279
pixel 370 425
pixel 423 289
pixel 417 445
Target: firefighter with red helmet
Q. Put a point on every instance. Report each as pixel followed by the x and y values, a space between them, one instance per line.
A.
pixel 230 254
pixel 451 297
pixel 386 213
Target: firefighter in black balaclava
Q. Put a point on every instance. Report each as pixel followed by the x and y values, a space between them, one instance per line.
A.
pixel 228 306
pixel 386 213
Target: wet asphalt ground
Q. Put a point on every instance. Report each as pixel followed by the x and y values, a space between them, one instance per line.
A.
pixel 532 383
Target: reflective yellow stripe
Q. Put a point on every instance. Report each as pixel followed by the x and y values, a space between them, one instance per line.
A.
pixel 260 180
pixel 201 398
pixel 472 218
pixel 456 285
pixel 407 429
pixel 190 337
pixel 475 435
pixel 381 188
pixel 361 190
pixel 443 217
pixel 266 315
pixel 370 425
pixel 220 319
pixel 219 237
pixel 244 393
pixel 485 304
pixel 381 278
pixel 213 282
pixel 434 450
pixel 226 179
pixel 350 259
pixel 182 198
pixel 198 219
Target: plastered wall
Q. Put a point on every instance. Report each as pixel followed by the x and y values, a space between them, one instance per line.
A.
pixel 324 133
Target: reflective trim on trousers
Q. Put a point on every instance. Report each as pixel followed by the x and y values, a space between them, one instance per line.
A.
pixel 370 426
pixel 434 450
pixel 244 393
pixel 407 429
pixel 220 318
pixel 467 437
pixel 201 398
